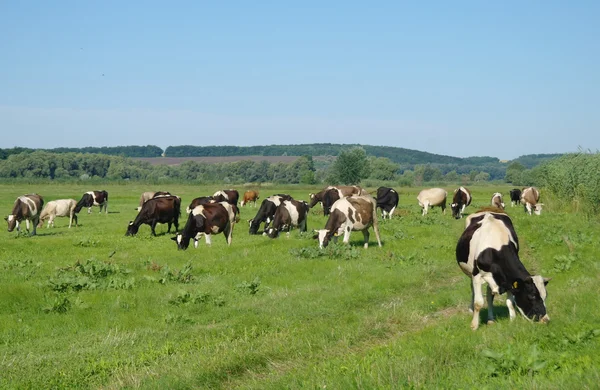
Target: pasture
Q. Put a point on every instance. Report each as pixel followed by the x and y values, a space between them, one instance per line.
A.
pixel 87 307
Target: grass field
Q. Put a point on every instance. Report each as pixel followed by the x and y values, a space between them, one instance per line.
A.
pixel 87 307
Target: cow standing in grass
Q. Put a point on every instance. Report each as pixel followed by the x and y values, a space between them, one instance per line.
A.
pixel 162 209
pixel 93 198
pixel 530 198
pixel 26 208
pixel 290 213
pixel 460 201
pixel 387 201
pixel 353 213
pixel 249 196
pixel 515 197
pixel 497 201
pixel 488 252
pixel 327 201
pixel 59 208
pixel 266 212
pixel 432 197
pixel 207 219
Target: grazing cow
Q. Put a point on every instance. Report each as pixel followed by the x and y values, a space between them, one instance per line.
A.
pixel 290 213
pixel 207 219
pixel 515 197
pixel 229 196
pixel 432 197
pixel 343 191
pixel 59 208
pixel 497 201
pixel 149 195
pixel 488 252
pixel 162 209
pixel 387 201
pixel 249 196
pixel 530 198
pixel 28 208
pixel 353 213
pixel 93 198
pixel 461 199
pixel 266 212
pixel 199 201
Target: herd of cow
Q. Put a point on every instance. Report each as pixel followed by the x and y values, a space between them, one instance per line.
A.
pixel 487 251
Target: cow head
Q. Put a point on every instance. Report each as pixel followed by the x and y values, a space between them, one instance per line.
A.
pixel 538 209
pixel 12 222
pixel 132 229
pixel 530 297
pixel 254 225
pixel 455 210
pixel 324 236
pixel 183 242
pixel 313 200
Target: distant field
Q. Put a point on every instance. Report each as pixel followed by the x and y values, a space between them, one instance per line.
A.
pixel 87 307
pixel 213 160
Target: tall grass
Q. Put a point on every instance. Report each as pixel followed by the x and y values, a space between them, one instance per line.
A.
pixel 575 178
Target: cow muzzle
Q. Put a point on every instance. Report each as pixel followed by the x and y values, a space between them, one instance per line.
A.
pixel 545 319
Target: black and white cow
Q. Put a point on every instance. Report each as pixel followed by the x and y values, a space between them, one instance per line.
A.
pixel 462 198
pixel 229 196
pixel 162 209
pixel 266 212
pixel 290 213
pixel 207 219
pixel 26 208
pixel 488 252
pixel 515 197
pixel 353 213
pixel 387 201
pixel 327 197
pixel 93 198
pixel 530 198
pixel 199 201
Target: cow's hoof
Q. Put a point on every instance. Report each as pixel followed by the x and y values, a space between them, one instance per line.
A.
pixel 491 322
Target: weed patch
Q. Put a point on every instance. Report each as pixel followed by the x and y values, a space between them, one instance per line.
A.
pixel 511 362
pixel 91 275
pixel 249 287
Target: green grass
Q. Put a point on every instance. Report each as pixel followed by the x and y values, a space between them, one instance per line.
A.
pixel 87 307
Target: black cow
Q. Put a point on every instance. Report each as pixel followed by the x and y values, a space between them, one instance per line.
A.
pixel 93 198
pixel 515 197
pixel 163 209
pixel 290 213
pixel 462 198
pixel 207 219
pixel 387 201
pixel 488 252
pixel 266 212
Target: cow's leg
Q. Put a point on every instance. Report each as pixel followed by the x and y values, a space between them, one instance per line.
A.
pixel 471 305
pixel 490 304
pixel 489 279
pixel 35 221
pixel 462 210
pixel 153 227
pixel 207 238
pixel 70 220
pixel 227 233
pixel 346 235
pixel 18 226
pixel 169 227
pixel 106 207
pixel 90 210
pixel 477 300
pixel 391 213
pixel 75 219
pixel 366 235
pixel 51 220
pixel 510 300
pixel 425 207
pixel 528 207
pixel 27 224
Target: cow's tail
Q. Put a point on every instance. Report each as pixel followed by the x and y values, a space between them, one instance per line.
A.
pixel 375 223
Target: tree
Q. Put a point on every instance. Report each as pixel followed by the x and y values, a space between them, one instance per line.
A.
pixel 351 166
pixel 383 168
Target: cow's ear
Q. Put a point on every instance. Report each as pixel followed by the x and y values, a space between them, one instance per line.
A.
pixel 174 238
pixel 6 219
pixel 547 280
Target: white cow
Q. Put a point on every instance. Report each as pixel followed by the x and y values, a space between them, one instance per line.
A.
pixel 59 208
pixel 432 197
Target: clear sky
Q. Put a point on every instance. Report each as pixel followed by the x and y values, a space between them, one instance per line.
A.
pixel 496 78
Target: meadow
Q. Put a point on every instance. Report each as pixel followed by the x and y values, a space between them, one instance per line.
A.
pixel 87 307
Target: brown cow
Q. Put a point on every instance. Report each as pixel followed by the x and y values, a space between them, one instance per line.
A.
pixel 249 196
pixel 28 208
pixel 162 209
pixel 530 198
pixel 497 201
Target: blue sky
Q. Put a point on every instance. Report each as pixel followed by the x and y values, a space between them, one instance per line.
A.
pixel 458 78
